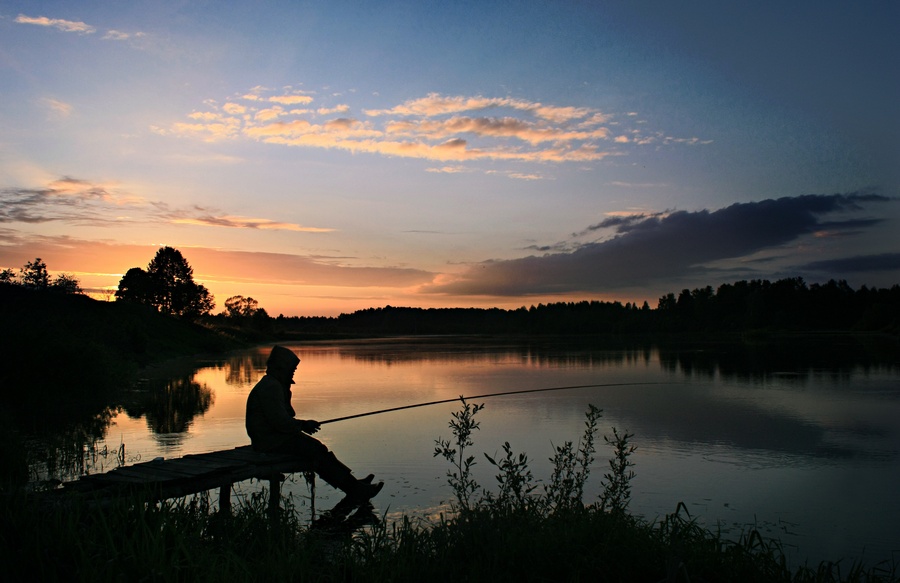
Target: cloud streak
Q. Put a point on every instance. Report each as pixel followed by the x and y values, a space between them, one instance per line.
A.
pixel 75 26
pixel 450 129
pixel 233 222
pixel 856 264
pixel 57 23
pixel 641 249
pixel 82 202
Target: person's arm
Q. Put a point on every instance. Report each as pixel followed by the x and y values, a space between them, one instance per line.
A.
pixel 309 426
pixel 306 425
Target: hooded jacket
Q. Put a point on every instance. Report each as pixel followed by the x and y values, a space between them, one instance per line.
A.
pixel 270 417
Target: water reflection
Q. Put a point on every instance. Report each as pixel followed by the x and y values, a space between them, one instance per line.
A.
pixel 170 405
pixel 801 357
pixel 243 368
pixel 780 432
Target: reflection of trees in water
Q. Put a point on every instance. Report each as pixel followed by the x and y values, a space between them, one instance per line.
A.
pixel 242 369
pixel 60 439
pixel 170 405
pixel 797 356
pixel 800 358
pixel 553 352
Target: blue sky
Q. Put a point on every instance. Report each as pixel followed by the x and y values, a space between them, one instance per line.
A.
pixel 328 157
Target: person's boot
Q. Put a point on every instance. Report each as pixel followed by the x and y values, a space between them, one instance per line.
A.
pixel 366 490
pixel 357 495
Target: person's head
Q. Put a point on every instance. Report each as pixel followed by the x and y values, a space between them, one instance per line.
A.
pixel 282 363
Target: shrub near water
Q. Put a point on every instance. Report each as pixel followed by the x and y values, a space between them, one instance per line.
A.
pixel 522 533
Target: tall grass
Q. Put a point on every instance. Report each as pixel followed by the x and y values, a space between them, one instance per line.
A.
pixel 522 531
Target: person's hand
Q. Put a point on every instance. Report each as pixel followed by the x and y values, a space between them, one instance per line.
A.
pixel 309 426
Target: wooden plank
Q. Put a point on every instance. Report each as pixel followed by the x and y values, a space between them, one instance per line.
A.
pixel 102 480
pixel 190 474
pixel 246 455
pixel 197 470
pixel 180 471
pixel 237 457
pixel 147 474
pixel 152 474
pixel 204 464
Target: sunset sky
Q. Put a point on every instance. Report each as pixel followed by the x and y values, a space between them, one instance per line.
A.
pixel 324 157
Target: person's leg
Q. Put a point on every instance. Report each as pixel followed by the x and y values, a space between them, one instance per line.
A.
pixel 329 467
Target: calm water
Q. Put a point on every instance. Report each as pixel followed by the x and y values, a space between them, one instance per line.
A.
pixel 805 451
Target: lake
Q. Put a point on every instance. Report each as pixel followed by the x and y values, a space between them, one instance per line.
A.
pixel 802 445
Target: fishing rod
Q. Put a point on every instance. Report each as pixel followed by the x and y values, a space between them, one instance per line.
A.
pixel 521 392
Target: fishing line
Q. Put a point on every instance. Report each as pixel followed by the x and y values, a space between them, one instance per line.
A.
pixel 521 392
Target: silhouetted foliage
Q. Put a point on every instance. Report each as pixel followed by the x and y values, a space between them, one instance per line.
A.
pixel 66 283
pixel 735 309
pixel 34 276
pixel 135 286
pixel 167 285
pixel 787 304
pixel 241 307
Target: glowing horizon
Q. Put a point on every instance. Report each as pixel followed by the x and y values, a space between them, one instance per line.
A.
pixel 338 159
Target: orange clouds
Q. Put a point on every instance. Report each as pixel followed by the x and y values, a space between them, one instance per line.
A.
pixel 433 127
pixel 247 223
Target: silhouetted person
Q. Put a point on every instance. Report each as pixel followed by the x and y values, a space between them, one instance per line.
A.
pixel 272 428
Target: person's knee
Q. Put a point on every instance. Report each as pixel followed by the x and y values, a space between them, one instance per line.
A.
pixel 314 446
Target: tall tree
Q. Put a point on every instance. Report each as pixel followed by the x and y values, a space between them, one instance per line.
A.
pixel 135 286
pixel 35 275
pixel 239 306
pixel 168 285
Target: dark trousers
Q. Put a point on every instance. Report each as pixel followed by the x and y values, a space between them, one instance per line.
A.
pixel 323 461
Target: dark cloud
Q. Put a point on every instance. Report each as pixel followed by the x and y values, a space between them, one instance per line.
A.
pixel 623 224
pixel 648 248
pixel 857 264
pixel 67 199
pixel 19 206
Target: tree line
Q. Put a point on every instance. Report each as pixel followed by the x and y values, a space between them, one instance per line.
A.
pixel 757 305
pixel 789 304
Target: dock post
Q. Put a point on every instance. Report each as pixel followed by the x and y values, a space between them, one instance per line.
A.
pixel 275 493
pixel 225 499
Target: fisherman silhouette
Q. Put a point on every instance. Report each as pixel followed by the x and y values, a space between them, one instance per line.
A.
pixel 273 428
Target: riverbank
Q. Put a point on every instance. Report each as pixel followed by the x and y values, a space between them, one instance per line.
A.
pixel 519 533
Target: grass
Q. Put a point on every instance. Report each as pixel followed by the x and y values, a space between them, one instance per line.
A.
pixel 524 531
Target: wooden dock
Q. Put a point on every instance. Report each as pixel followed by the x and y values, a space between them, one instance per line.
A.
pixel 161 479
